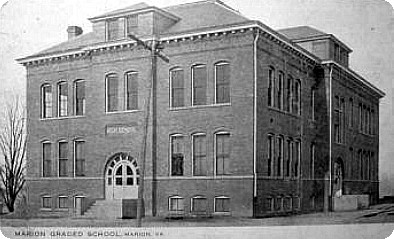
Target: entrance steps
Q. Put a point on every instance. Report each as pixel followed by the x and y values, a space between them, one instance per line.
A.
pixel 104 209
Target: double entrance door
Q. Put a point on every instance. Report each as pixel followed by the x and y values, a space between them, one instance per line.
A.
pixel 122 179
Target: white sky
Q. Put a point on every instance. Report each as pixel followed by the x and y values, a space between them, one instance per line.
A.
pixel 366 26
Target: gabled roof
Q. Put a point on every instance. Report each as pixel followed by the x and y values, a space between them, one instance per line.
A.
pixel 301 32
pixel 192 17
pixel 203 14
pixel 138 6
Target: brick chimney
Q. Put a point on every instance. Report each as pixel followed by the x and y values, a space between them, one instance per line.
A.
pixel 74 31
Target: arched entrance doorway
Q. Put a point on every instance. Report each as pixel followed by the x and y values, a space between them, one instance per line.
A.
pixel 121 177
pixel 338 177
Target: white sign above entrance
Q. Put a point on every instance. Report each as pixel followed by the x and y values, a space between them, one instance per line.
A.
pixel 120 129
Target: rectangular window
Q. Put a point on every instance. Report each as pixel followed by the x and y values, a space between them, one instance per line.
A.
pixel 199 155
pixel 63 202
pixel 222 204
pixel 360 117
pixel 63 158
pixel 280 91
pixel 222 74
pixel 289 158
pixel 79 158
pixel 176 204
pixel 199 204
pixel 177 155
pixel 112 29
pixel 312 165
pixel 112 93
pixel 177 88
pixel 297 98
pixel 287 204
pixel 132 24
pixel 80 101
pixel 313 109
pixel 279 164
pixel 296 203
pixel 222 153
pixel 271 152
pixel 297 158
pixel 360 163
pixel 199 77
pixel 132 91
pixel 62 99
pixel 279 204
pixel 269 204
pixel 46 100
pixel 351 113
pixel 271 86
pixel 289 94
pixel 373 126
pixel 47 160
pixel 47 202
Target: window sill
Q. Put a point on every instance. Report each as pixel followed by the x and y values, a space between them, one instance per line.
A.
pixel 46 209
pixel 198 107
pixel 285 112
pixel 222 213
pixel 122 112
pixel 63 117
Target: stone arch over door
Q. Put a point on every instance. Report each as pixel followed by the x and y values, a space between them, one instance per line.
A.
pixel 338 177
pixel 122 177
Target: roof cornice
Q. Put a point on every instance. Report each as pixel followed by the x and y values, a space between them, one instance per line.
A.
pixel 357 76
pixel 273 35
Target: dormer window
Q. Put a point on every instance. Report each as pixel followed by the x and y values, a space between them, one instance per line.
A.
pixel 112 29
pixel 131 24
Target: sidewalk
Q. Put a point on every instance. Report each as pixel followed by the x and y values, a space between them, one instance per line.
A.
pixel 376 214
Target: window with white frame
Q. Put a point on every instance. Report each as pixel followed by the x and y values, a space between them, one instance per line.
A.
pixel 289 158
pixel 112 84
pixel 177 88
pixel 199 204
pixel 279 203
pixel 222 80
pixel 131 91
pixel 269 204
pixel 199 155
pixel 297 97
pixel 296 203
pixel 222 204
pixel 290 93
pixel 271 86
pixel 312 163
pixel 79 157
pixel 279 156
pixel 63 159
pixel 46 101
pixel 47 159
pixel 222 153
pixel 287 203
pixel 199 79
pixel 351 113
pixel 79 97
pixel 279 94
pixel 297 158
pixel 132 24
pixel 112 29
pixel 62 99
pixel 63 202
pixel 177 154
pixel 46 202
pixel 270 155
pixel 175 204
pixel 313 104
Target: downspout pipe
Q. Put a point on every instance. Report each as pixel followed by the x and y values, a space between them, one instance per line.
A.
pixel 256 38
pixel 330 141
